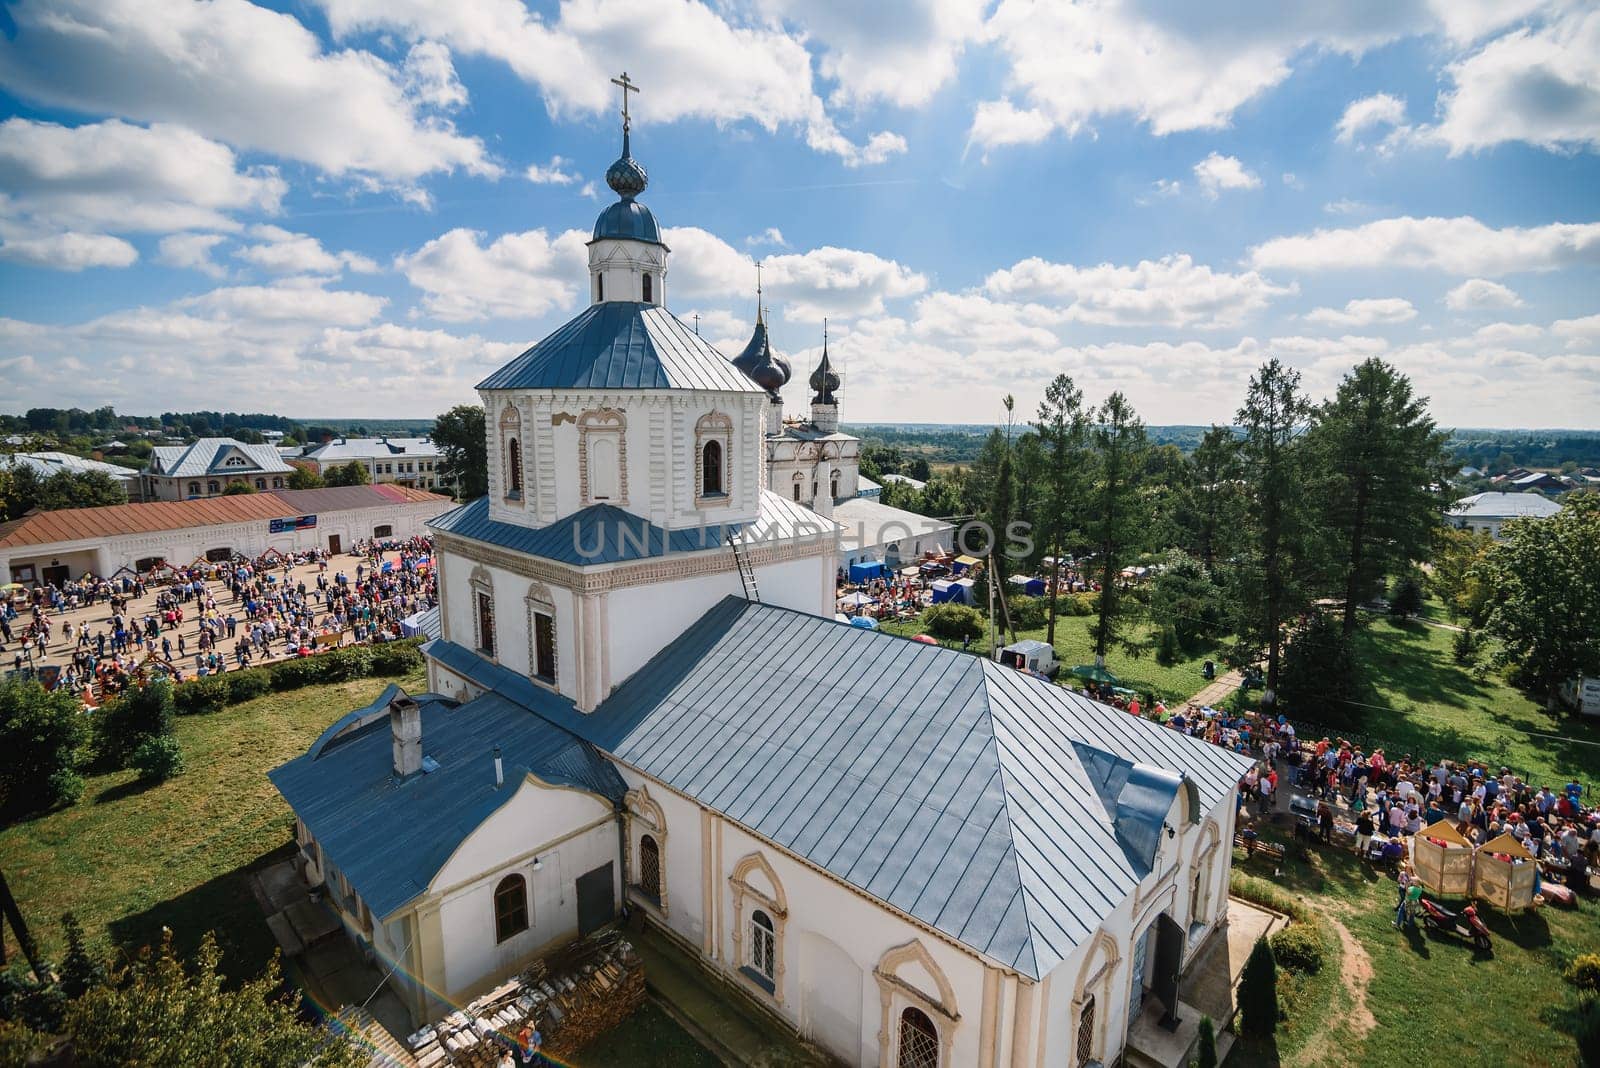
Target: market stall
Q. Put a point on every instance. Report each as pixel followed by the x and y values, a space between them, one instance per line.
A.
pixel 1442 859
pixel 1504 873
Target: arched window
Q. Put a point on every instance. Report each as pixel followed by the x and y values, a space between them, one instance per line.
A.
pixel 277 483
pixel 194 487
pixel 650 867
pixel 513 468
pixel 797 491
pixel 649 289
pixel 213 486
pixel 711 469
pixel 833 487
pixel 261 483
pixel 510 907
pixel 485 606
pixel 1084 1051
pixel 763 945
pixel 919 1040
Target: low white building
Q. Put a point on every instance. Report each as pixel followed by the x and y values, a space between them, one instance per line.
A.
pixel 869 530
pixel 1487 513
pixel 407 461
pixel 68 544
pixel 208 466
pixel 46 464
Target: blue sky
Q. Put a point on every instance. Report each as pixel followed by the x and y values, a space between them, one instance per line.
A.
pixel 361 207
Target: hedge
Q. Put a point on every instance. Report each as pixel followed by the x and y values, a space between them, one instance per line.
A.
pixel 1298 947
pixel 211 693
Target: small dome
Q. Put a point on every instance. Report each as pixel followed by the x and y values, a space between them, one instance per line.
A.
pixel 824 380
pixel 628 219
pixel 626 177
pixel 760 364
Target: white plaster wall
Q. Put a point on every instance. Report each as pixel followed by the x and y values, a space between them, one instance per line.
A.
pixel 513 643
pixel 502 846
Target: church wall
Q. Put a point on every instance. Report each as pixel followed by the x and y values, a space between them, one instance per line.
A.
pixel 513 642
pixel 570 832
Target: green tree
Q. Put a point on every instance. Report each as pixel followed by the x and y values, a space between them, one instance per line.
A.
pixel 1184 596
pixel 1211 504
pixel 135 715
pixel 40 734
pixel 1062 426
pixel 979 484
pixel 1545 579
pixel 1207 1053
pixel 1117 521
pixel 1378 462
pixel 1258 992
pixel 464 450
pixel 1456 577
pixel 304 476
pixel 24 490
pixel 1273 418
pixel 1319 671
pixel 1405 599
pixel 354 473
pixel 81 971
pixel 238 488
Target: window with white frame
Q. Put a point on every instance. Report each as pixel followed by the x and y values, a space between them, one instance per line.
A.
pixel 713 440
pixel 763 946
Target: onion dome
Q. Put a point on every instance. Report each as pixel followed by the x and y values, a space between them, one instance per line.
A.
pixel 760 364
pixel 627 219
pixel 626 176
pixel 824 380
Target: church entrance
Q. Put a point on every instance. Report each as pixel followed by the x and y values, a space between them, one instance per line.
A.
pixel 595 899
pixel 335 547
pixel 1170 940
pixel 1141 956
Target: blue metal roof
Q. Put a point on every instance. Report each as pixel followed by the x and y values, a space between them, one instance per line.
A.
pixel 621 344
pixel 941 783
pixel 630 220
pixel 389 838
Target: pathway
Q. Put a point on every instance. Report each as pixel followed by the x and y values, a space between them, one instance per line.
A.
pixel 1217 691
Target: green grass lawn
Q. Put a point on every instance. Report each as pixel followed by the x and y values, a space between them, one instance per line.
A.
pixel 129 860
pixel 1171 682
pixel 1428 702
pixel 1429 995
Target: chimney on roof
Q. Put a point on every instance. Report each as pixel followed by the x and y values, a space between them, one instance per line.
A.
pixel 405 723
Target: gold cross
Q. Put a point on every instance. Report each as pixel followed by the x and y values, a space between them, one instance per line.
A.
pixel 627 87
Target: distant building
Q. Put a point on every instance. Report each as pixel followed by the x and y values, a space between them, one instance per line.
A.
pixel 1488 512
pixel 50 463
pixel 906 480
pixel 1538 480
pixel 407 461
pixel 205 468
pixel 867 488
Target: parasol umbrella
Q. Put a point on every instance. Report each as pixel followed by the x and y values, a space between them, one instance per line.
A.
pixel 856 600
pixel 1095 673
pixel 925 639
pixel 864 622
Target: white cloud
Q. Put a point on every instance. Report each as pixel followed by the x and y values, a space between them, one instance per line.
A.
pixel 996 123
pixel 1379 111
pixel 281 251
pixel 1585 331
pixel 1380 310
pixel 1173 291
pixel 1345 206
pixel 553 173
pixel 1535 84
pixel 431 76
pixel 119 177
pixel 517 276
pixel 1503 334
pixel 192 251
pixel 1477 293
pixel 237 73
pixel 688 59
pixel 1460 245
pixel 771 237
pixel 293 301
pixel 1292 180
pixel 69 251
pixel 1216 173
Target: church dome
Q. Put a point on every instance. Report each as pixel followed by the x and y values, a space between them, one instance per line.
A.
pixel 628 219
pixel 824 380
pixel 760 364
pixel 626 177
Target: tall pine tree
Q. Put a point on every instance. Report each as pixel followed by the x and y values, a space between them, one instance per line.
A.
pixel 1062 426
pixel 1117 520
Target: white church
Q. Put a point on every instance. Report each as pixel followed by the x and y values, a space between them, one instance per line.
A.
pixel 912 856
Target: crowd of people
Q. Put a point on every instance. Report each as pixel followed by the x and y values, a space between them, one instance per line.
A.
pixel 208 618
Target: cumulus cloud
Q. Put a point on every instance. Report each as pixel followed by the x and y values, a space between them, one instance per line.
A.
pixel 1460 245
pixel 430 76
pixel 1173 291
pixel 1476 293
pixel 556 172
pixel 1503 334
pixel 1369 312
pixel 240 74
pixel 771 237
pixel 516 276
pixel 1217 172
pixel 1376 112
pixel 192 251
pixel 280 251
pixel 689 59
pixel 68 251
pixel 1585 331
pixel 997 123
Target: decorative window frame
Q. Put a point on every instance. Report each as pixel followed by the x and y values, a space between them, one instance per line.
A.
pixel 1094 980
pixel 718 427
pixel 1205 852
pixel 595 422
pixel 482 582
pixel 896 994
pixel 644 816
pixel 746 900
pixel 540 601
pixel 512 441
pixel 527 906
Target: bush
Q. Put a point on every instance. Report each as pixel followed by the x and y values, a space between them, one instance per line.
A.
pixel 397 658
pixel 293 674
pixel 1029 613
pixel 246 685
pixel 1258 993
pixel 40 734
pixel 342 665
pixel 1584 972
pixel 158 759
pixel 1167 648
pixel 1587 1030
pixel 1405 599
pixel 202 695
pixel 1465 647
pixel 1207 1055
pixel 954 622
pixel 1298 947
pixel 131 718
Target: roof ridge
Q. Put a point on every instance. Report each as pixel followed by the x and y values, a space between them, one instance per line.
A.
pixel 1011 856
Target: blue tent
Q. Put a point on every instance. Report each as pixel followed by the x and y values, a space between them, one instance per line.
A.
pixel 864 622
pixel 1033 587
pixel 956 591
pixel 867 570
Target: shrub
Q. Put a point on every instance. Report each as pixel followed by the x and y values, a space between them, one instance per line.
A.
pixel 1405 599
pixel 1587 1030
pixel 1167 648
pixel 202 695
pixel 396 658
pixel 1584 972
pixel 1079 604
pixel 1298 947
pixel 954 622
pixel 128 720
pixel 293 674
pixel 341 665
pixel 1207 1055
pixel 245 685
pixel 40 733
pixel 158 759
pixel 1465 647
pixel 1029 613
pixel 1258 992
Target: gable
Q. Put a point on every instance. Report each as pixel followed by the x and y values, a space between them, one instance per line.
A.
pixel 536 812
